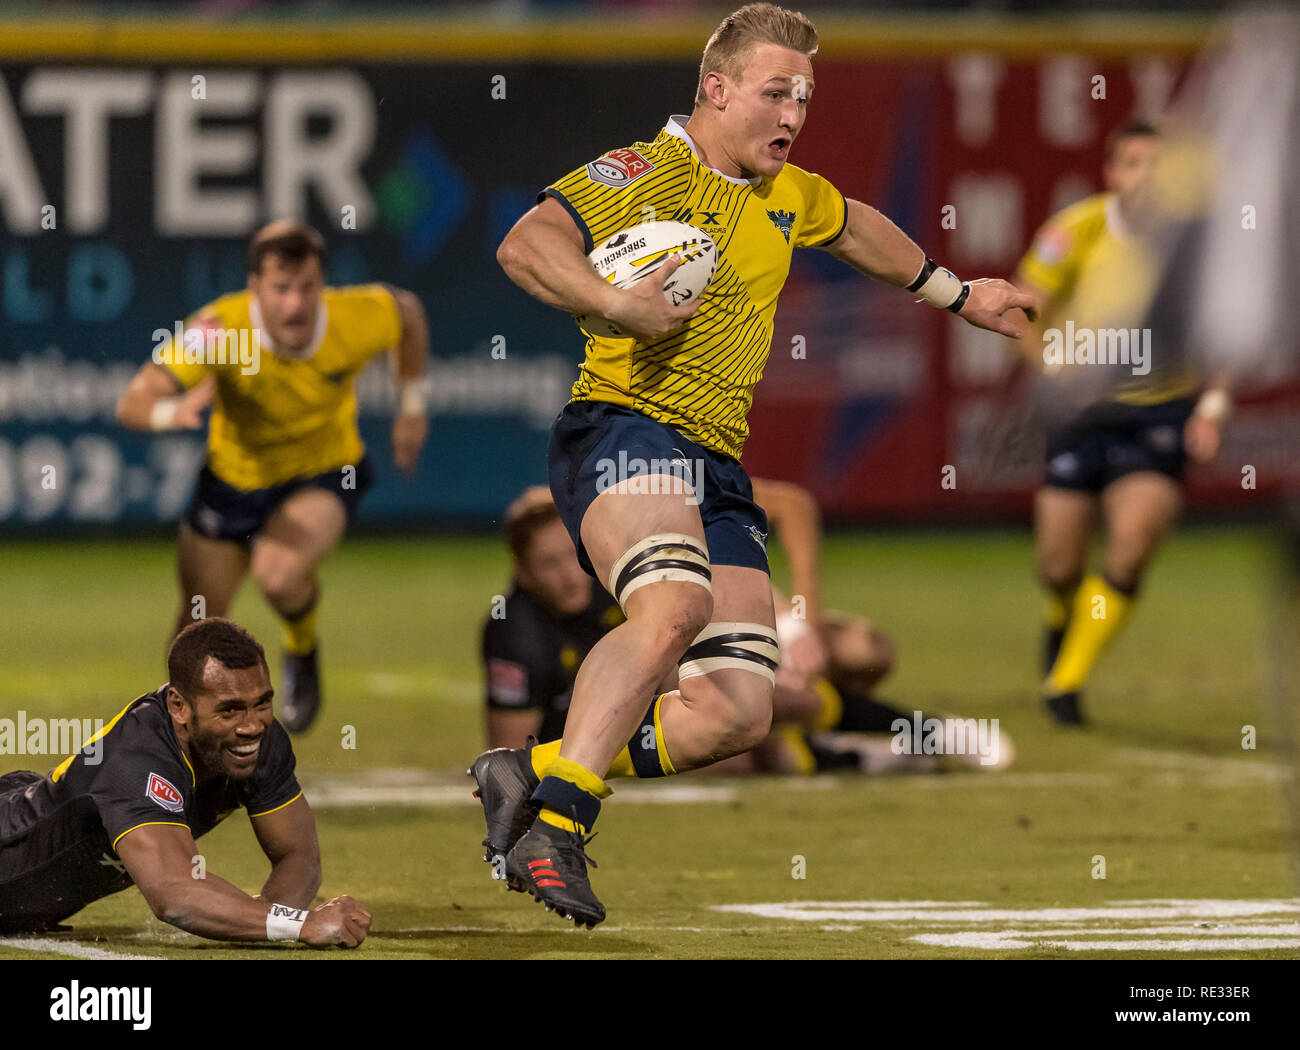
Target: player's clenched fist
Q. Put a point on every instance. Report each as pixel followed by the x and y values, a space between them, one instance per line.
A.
pixel 644 313
pixel 340 921
pixel 991 303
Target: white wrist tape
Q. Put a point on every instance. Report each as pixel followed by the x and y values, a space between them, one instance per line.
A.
pixel 936 285
pixel 1214 405
pixel 163 413
pixel 411 400
pixel 284 923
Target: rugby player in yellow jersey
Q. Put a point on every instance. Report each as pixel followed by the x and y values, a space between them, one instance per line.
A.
pixel 286 467
pixel 667 407
pixel 1123 458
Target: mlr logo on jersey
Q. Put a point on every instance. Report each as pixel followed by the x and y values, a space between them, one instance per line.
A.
pixel 618 168
pixel 162 791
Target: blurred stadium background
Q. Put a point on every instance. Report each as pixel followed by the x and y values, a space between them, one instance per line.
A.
pixel 413 135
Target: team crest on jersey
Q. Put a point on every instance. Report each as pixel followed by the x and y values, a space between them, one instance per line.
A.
pixel 783 221
pixel 1053 244
pixel 507 681
pixel 618 168
pixel 162 791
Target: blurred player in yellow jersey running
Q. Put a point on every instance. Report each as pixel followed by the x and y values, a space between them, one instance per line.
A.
pixel 645 459
pixel 286 467
pixel 1123 458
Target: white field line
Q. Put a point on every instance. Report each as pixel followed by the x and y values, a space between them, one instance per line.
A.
pixel 419 787
pixel 71 948
pixel 1010 940
pixel 1224 770
pixel 931 914
pixel 412 787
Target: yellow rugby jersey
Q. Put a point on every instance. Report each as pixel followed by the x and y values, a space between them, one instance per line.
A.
pixel 293 416
pixel 1092 273
pixel 701 378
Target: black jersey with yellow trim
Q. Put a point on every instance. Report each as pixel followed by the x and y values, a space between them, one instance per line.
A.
pixel 701 378
pixel 58 834
pixel 531 654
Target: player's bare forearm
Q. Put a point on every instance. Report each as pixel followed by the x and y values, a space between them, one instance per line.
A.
pixel 873 245
pixel 162 862
pixel 294 880
pixel 795 518
pixel 412 353
pixel 152 402
pixel 213 908
pixel 543 254
pixel 410 358
pixel 288 838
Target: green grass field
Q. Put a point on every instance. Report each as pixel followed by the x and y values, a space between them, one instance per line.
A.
pixel 1159 786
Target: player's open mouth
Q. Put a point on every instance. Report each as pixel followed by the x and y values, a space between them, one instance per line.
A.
pixel 244 752
pixel 778 147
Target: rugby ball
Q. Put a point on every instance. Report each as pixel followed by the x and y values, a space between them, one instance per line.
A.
pixel 632 255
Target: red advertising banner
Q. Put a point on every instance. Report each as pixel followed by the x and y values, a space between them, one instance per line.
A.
pixel 886 408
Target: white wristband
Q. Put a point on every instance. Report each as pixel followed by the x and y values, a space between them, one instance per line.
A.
pixel 1214 405
pixel 284 923
pixel 411 400
pixel 939 287
pixel 163 413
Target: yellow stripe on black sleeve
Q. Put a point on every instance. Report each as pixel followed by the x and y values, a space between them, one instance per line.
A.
pixel 62 767
pixel 149 824
pixel 268 812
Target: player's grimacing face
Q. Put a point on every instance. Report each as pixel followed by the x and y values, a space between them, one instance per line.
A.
pixel 289 295
pixel 766 108
pixel 228 719
pixel 551 572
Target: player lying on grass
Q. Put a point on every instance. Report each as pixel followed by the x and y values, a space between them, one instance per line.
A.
pixel 286 468
pixel 165 771
pixel 824 716
pixel 1122 461
pixel 690 574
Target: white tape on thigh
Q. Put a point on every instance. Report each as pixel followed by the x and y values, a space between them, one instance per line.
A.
pixel 737 646
pixel 656 559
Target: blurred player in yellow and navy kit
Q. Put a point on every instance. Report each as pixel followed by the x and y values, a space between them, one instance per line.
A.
pixel 1123 458
pixel 286 467
pixel 645 459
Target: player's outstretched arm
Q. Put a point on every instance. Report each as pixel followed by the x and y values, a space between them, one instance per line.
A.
pixel 151 401
pixel 875 246
pixel 410 359
pixel 544 254
pixel 796 520
pixel 288 838
pixel 164 862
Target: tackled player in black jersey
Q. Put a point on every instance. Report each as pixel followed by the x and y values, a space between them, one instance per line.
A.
pixel 172 765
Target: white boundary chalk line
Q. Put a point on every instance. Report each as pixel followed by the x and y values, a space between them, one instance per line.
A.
pixel 70 948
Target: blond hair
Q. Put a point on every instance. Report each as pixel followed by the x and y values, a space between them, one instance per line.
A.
pixel 732 43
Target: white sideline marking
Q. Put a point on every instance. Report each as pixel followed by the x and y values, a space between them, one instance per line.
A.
pixel 992 941
pixel 1221 769
pixel 417 787
pixel 72 948
pixel 1070 929
pixel 965 911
